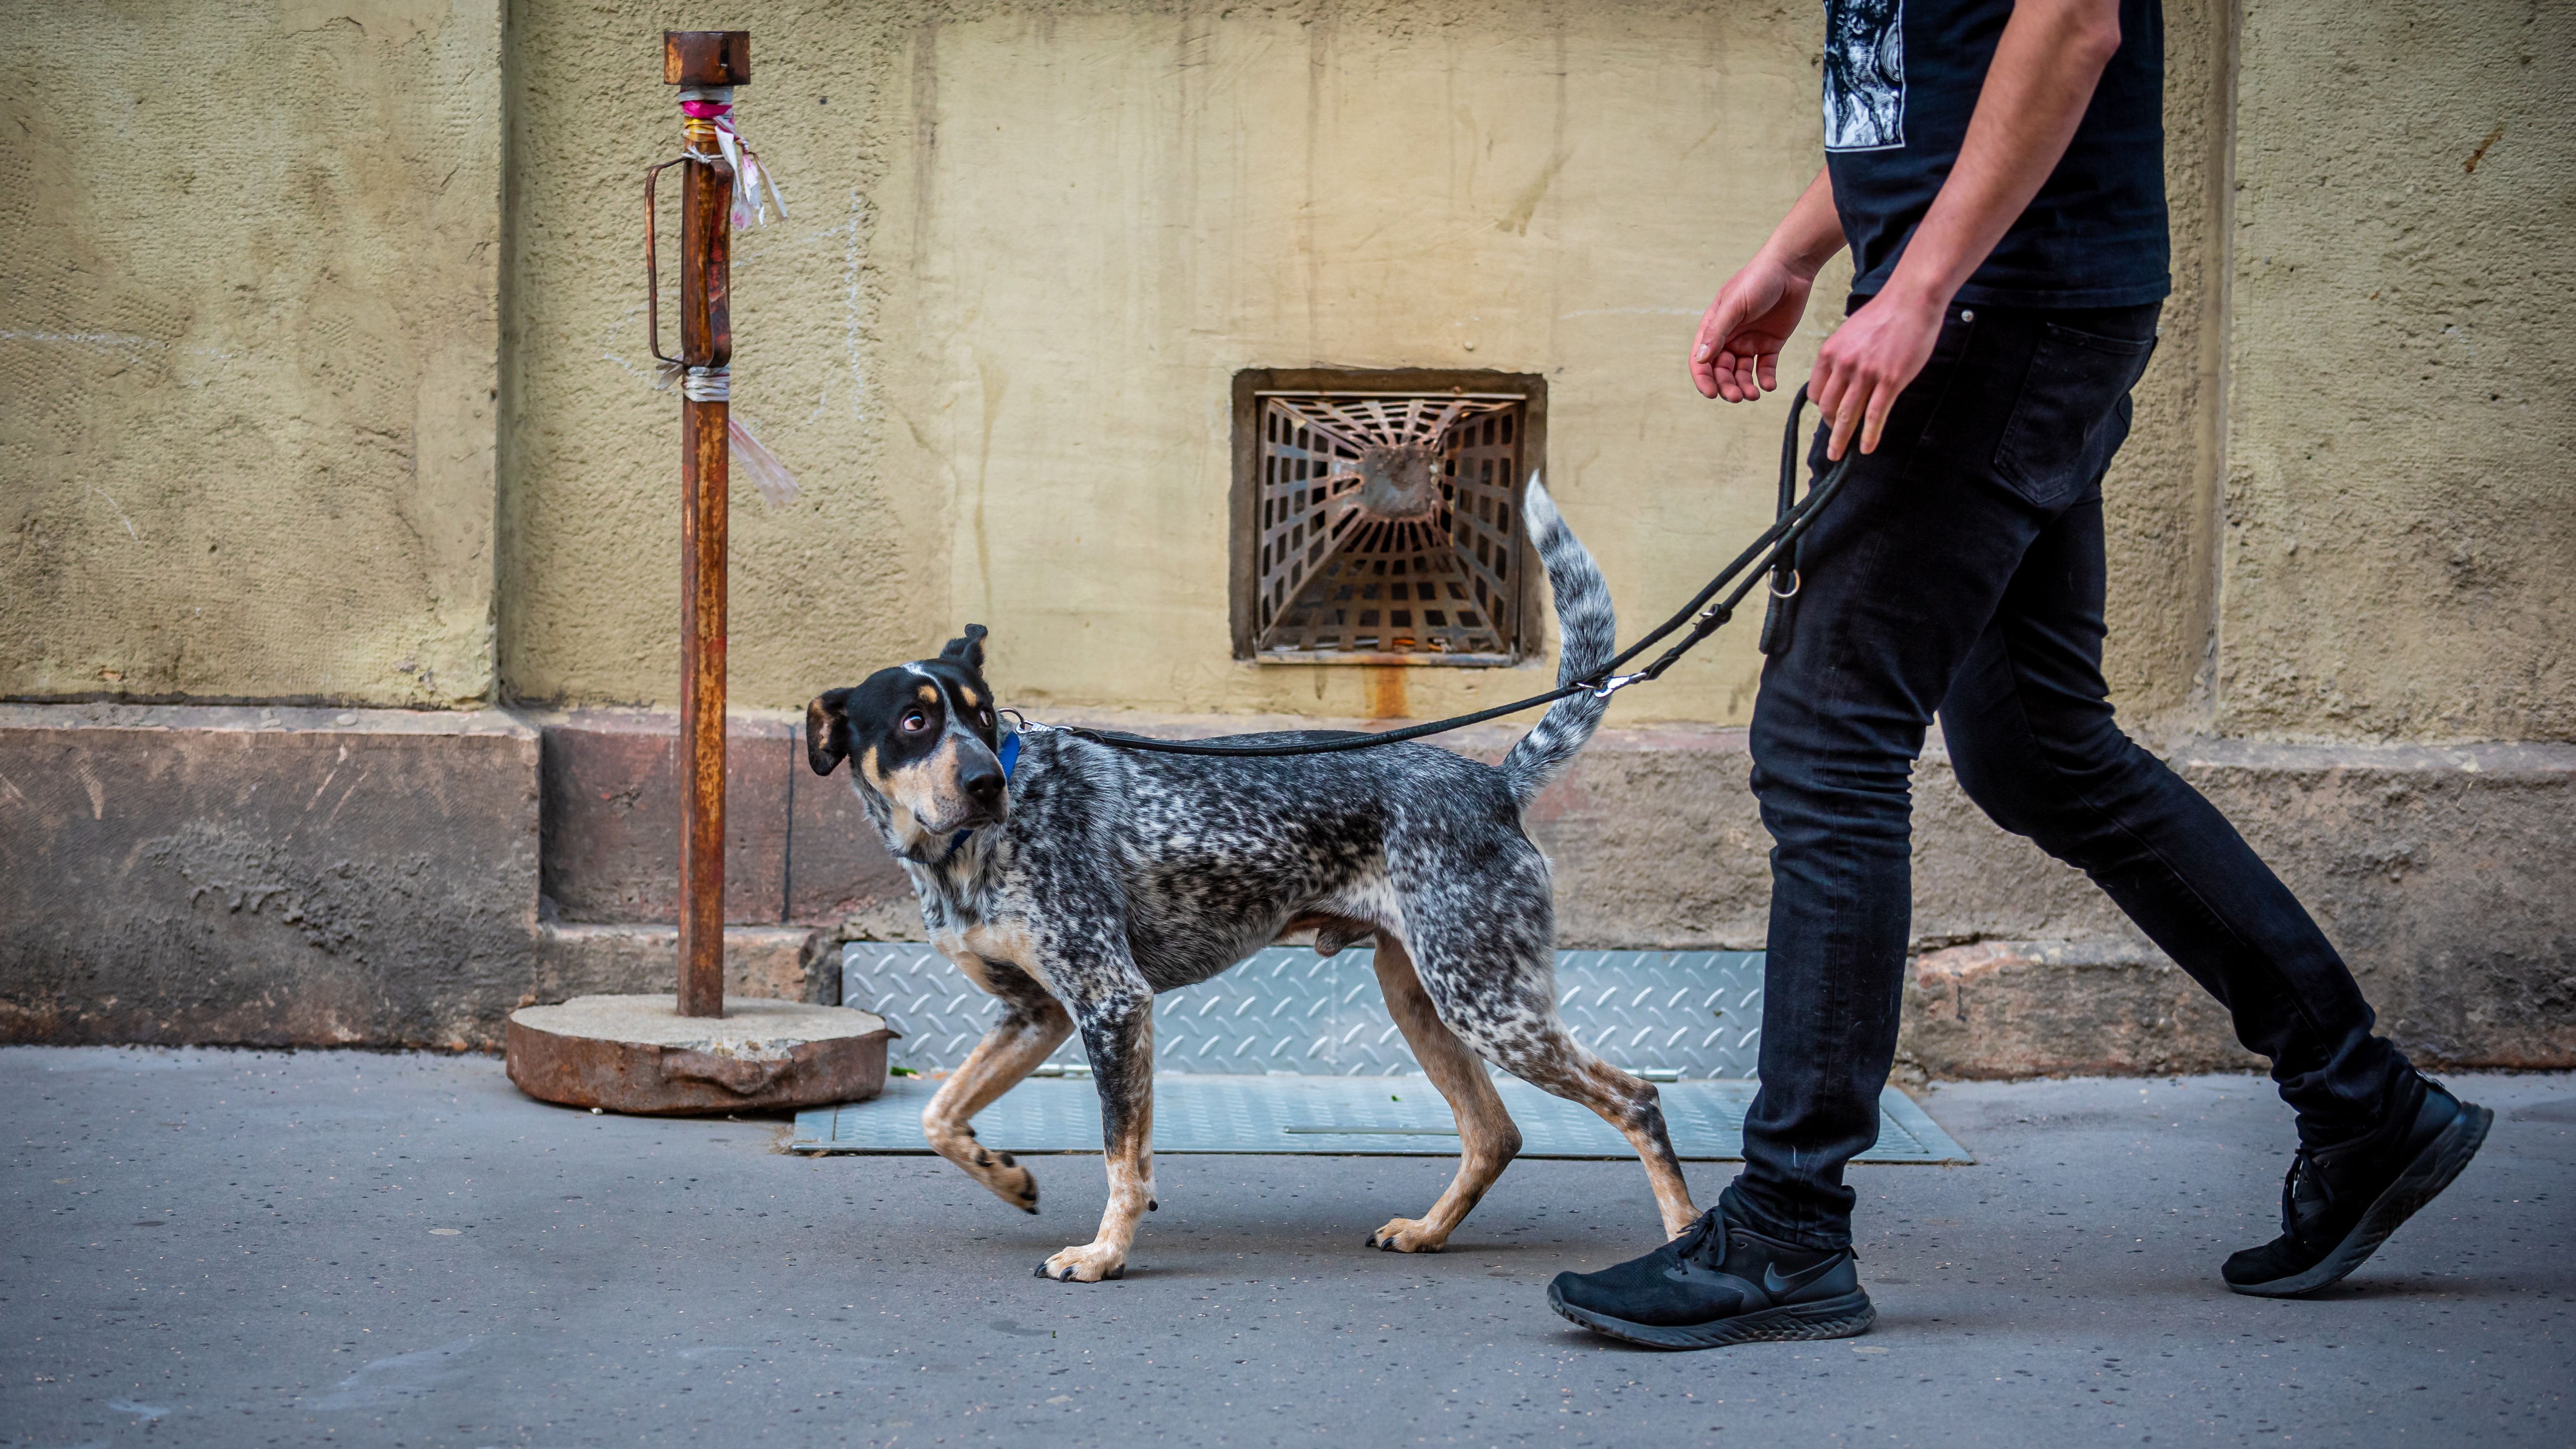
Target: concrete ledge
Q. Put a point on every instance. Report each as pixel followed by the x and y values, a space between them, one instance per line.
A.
pixel 797 846
pixel 310 876
pixel 783 963
pixel 612 816
pixel 2062 1009
pixel 319 877
pixel 269 877
pixel 2447 877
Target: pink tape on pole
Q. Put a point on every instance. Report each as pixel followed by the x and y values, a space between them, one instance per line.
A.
pixel 758 190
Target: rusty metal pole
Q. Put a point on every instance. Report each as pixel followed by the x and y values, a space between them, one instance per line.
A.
pixel 708 64
pixel 652 1054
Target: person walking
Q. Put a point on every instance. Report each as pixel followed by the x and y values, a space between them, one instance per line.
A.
pixel 1996 167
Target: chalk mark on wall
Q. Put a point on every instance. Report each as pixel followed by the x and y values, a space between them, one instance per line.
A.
pixel 116 509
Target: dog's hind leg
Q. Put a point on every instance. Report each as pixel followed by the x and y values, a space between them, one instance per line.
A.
pixel 1032 1025
pixel 1491 972
pixel 1543 1055
pixel 1487 1139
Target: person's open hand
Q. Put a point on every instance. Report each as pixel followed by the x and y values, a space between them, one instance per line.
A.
pixel 1867 363
pixel 1737 353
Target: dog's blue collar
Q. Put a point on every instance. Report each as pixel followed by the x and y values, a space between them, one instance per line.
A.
pixel 1009 755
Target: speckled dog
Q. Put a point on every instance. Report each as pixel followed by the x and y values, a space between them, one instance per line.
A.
pixel 1074 880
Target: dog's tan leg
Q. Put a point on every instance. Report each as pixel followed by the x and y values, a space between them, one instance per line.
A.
pixel 1547 1058
pixel 1029 1029
pixel 1120 1038
pixel 1502 1004
pixel 1487 1139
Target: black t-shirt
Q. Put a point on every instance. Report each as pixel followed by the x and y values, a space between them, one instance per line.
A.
pixel 1901 81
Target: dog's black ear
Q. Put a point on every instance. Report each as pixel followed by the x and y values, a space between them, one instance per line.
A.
pixel 827 731
pixel 969 650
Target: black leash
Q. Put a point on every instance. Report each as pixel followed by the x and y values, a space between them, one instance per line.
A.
pixel 1774 552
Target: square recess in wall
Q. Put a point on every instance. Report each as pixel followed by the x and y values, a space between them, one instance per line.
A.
pixel 1377 516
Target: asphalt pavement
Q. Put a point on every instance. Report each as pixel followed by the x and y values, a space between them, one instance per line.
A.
pixel 234 1248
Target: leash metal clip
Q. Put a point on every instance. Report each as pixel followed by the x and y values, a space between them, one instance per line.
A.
pixel 1614 684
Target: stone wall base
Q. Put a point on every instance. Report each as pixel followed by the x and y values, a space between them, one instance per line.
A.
pixel 392 878
pixel 2062 1009
pixel 783 963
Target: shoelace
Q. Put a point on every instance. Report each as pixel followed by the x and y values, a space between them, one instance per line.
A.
pixel 1694 1240
pixel 2303 1170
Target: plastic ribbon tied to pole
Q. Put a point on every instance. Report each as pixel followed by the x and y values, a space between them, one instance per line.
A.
pixel 758 190
pixel 755 191
pixel 777 486
pixel 715 384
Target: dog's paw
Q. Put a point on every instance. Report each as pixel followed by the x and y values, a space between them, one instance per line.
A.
pixel 1012 1183
pixel 1089 1263
pixel 1002 1175
pixel 1404 1235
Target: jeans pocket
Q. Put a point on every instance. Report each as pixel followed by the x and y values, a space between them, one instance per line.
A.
pixel 2072 412
pixel 1958 329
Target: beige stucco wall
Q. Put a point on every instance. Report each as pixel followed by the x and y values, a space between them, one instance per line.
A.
pixel 248 334
pixel 1033 249
pixel 2159 502
pixel 1031 252
pixel 2401 489
pixel 256 347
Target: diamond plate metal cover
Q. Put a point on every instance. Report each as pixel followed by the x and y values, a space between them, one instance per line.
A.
pixel 1287 1009
pixel 1320 1115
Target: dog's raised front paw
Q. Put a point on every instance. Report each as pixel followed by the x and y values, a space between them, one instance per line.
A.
pixel 1089 1263
pixel 1404 1235
pixel 1004 1177
pixel 1015 1185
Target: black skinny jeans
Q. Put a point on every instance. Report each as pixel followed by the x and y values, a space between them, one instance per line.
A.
pixel 1960 570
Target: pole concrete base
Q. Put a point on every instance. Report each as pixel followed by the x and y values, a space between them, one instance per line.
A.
pixel 637 1054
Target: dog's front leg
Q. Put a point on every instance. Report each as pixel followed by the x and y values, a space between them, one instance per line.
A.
pixel 1031 1026
pixel 1118 1031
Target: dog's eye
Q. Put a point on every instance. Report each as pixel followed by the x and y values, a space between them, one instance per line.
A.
pixel 915 722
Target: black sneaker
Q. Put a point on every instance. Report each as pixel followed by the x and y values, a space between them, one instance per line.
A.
pixel 2340 1204
pixel 1719 1283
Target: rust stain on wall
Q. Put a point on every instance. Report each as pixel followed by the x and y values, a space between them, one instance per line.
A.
pixel 1385 684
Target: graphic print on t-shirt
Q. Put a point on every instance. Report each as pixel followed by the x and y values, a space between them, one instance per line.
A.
pixel 1864 74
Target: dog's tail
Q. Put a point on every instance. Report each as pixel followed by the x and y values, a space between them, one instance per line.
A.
pixel 1590 636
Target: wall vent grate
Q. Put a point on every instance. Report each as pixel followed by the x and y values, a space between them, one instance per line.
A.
pixel 1387 526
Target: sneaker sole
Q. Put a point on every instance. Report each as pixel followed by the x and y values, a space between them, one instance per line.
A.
pixel 1848 1316
pixel 2423 1180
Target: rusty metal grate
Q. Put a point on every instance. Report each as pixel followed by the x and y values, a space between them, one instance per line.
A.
pixel 1385 526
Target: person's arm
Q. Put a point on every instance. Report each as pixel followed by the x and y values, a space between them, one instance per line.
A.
pixel 1737 353
pixel 2046 64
